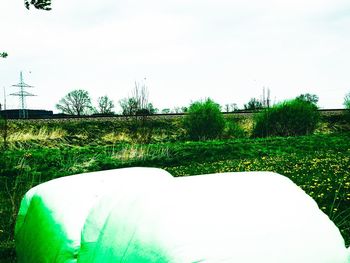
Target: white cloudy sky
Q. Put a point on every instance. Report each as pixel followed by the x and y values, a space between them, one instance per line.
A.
pixel 227 50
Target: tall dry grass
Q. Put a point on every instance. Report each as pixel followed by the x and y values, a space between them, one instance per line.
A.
pixel 42 134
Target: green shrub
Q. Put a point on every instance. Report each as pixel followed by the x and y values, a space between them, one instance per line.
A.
pixel 4 132
pixel 289 118
pixel 347 107
pixel 204 120
pixel 347 101
pixel 233 130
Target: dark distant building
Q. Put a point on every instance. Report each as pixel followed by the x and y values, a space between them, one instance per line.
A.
pixel 31 114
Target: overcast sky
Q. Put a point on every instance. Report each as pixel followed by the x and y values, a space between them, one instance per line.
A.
pixel 187 50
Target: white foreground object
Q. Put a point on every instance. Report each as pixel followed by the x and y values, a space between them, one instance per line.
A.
pixel 52 214
pixel 255 217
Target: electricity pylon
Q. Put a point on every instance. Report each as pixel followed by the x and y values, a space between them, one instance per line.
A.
pixel 23 114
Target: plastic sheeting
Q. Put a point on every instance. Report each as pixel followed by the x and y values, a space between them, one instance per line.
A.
pixel 52 215
pixel 234 217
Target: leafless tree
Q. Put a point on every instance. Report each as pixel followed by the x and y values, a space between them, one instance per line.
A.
pixel 140 95
pixel 76 102
pixel 137 106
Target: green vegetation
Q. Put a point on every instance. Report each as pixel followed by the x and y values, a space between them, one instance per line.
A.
pixel 44 149
pixel 347 101
pixel 3 55
pixel 347 106
pixel 311 98
pixel 4 129
pixel 289 118
pixel 233 130
pixel 204 120
pixel 254 104
pixel 38 4
pixel 105 105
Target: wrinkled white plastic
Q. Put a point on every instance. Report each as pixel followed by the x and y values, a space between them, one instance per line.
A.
pixel 253 217
pixel 52 214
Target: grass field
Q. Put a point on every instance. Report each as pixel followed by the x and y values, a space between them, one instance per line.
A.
pixel 38 152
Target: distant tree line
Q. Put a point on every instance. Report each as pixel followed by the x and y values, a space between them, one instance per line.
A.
pixel 78 102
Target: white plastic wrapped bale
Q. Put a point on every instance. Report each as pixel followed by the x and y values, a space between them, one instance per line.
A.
pixel 52 215
pixel 235 217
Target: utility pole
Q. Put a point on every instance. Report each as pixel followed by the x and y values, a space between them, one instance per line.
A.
pixel 23 114
pixel 268 98
pixel 264 98
pixel 266 101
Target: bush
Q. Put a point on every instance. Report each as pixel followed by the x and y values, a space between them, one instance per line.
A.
pixel 289 118
pixel 347 101
pixel 233 130
pixel 4 132
pixel 347 107
pixel 204 120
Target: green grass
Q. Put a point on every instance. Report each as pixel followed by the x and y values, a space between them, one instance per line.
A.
pixel 317 163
